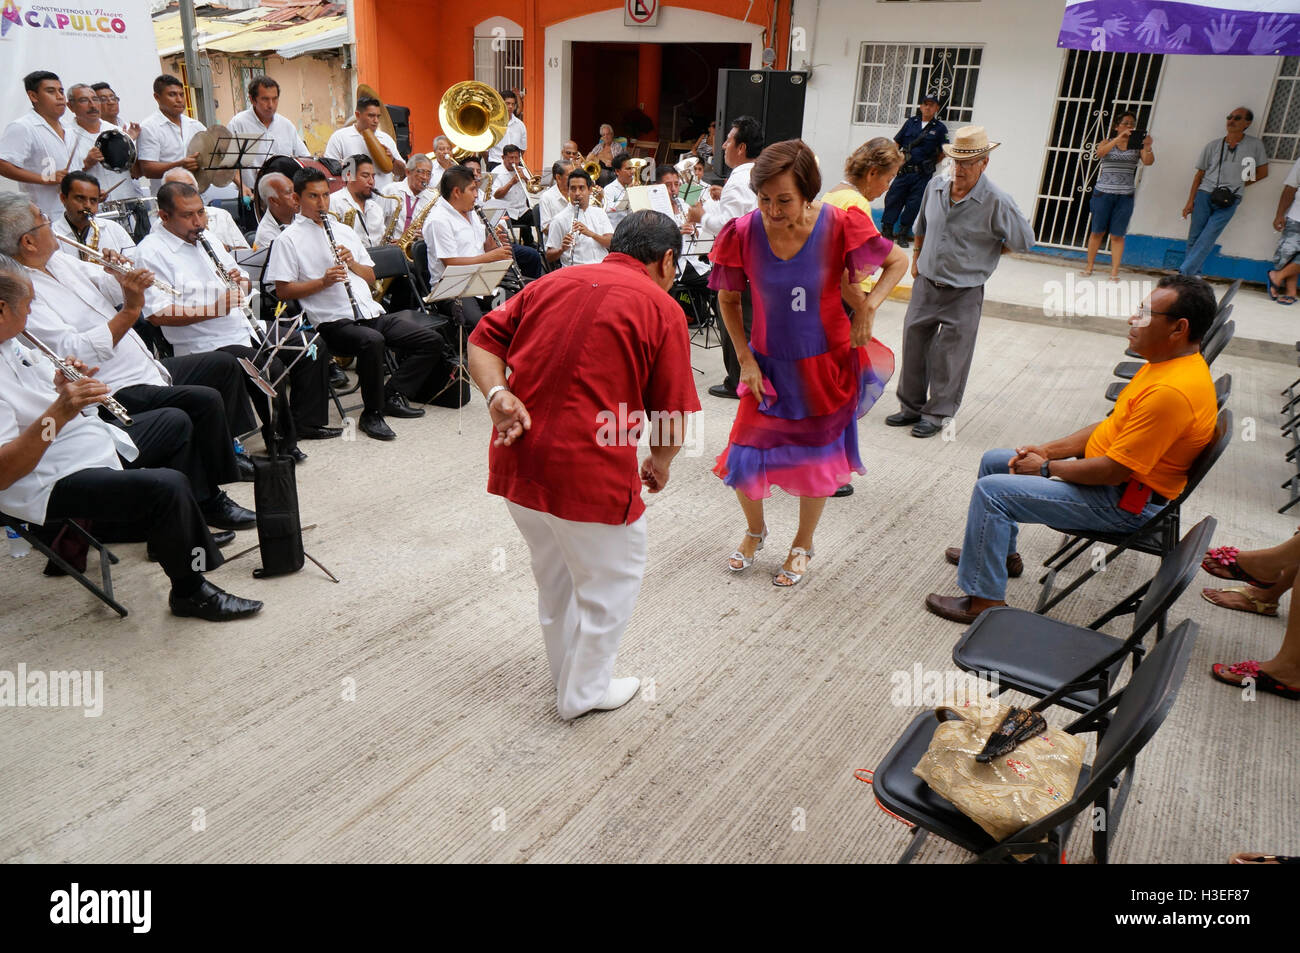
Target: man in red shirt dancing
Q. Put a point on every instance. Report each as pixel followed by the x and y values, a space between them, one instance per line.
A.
pixel 596 352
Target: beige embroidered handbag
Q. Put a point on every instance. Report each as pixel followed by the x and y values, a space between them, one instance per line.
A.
pixel 1009 792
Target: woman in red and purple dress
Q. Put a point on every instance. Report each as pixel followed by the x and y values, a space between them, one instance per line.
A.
pixel 810 369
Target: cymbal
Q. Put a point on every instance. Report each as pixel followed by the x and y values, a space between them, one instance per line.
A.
pixel 218 157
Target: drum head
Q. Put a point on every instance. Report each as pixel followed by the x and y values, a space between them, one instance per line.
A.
pixel 288 165
pixel 118 150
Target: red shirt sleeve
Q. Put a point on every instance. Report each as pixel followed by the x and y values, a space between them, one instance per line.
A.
pixel 671 386
pixel 496 329
pixel 728 260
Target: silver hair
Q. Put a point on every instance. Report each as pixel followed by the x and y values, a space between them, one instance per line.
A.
pixel 14 282
pixel 16 219
pixel 418 159
pixel 76 86
pixel 180 175
pixel 269 181
pixel 438 139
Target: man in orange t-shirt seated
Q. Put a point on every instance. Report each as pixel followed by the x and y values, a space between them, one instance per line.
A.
pixel 1110 476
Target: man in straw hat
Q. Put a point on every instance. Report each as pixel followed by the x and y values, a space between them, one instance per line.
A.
pixel 964 225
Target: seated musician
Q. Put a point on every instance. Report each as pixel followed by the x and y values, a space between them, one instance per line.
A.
pixel 442 161
pixel 221 224
pixel 211 316
pixel 73 313
pixel 481 179
pixel 509 193
pixel 276 191
pixel 305 268
pixel 553 201
pixel 1110 476
pixel 79 192
pixel 671 179
pixel 616 191
pixel 348 142
pixel 413 193
pixel 358 206
pixel 79 473
pixel 581 237
pixel 455 235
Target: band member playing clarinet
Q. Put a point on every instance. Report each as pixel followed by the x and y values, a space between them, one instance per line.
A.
pixel 213 316
pixel 328 271
pixel 456 236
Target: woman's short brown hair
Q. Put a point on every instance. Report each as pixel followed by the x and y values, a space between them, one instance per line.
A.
pixel 880 154
pixel 791 156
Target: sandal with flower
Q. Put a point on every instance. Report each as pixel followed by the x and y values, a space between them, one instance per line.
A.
pixel 738 561
pixel 801 558
pixel 1255 605
pixel 1221 561
pixel 1250 669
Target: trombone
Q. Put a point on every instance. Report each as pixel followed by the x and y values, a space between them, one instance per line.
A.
pixel 532 183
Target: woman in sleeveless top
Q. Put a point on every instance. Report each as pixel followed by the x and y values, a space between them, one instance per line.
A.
pixel 1113 194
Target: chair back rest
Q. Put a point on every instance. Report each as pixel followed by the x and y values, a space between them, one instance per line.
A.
pixel 1220 319
pixel 1222 390
pixel 1210 455
pixel 1216 346
pixel 1227 295
pixel 390 261
pixel 1176 572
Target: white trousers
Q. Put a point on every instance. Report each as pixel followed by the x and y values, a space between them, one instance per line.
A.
pixel 588 577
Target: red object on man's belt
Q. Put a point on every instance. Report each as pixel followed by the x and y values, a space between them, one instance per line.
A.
pixel 1135 497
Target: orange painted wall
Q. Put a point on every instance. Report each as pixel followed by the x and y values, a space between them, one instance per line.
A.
pixel 413 50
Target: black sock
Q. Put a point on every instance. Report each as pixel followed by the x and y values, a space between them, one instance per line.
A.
pixel 184 588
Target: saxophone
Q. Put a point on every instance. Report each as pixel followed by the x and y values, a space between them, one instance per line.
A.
pixel 387 236
pixel 92 240
pixel 415 229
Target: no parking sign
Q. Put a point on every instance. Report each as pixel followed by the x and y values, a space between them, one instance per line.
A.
pixel 640 12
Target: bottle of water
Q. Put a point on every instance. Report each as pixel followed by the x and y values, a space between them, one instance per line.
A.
pixel 17 545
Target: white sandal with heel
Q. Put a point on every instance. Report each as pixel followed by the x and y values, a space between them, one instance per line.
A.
pixel 799 553
pixel 739 557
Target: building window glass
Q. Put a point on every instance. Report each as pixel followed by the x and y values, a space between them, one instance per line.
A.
pixel 499 61
pixel 242 72
pixel 892 78
pixel 1281 133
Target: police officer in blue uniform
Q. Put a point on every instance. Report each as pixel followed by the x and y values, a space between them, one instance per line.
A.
pixel 921 138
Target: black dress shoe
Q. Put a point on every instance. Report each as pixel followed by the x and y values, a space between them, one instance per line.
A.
pixel 845 490
pixel 887 233
pixel 722 390
pixel 902 241
pixel 319 433
pixel 224 513
pixel 298 455
pixel 925 429
pixel 396 406
pixel 372 425
pixel 212 604
pixel 223 538
pixel 245 467
pixel 901 419
pixel 337 378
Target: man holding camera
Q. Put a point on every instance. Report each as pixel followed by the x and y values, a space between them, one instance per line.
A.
pixel 921 138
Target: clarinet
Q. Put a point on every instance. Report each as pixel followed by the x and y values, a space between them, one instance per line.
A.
pixel 513 271
pixel 347 281
pixel 259 332
pixel 72 374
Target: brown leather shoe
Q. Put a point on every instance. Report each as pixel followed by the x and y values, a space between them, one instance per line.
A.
pixel 954 608
pixel 1015 565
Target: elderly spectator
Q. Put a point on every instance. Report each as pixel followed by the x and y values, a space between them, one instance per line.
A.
pixel 1223 170
pixel 1282 277
pixel 1112 475
pixel 1114 191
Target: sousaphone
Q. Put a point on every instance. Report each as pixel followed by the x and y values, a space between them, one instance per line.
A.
pixel 474 117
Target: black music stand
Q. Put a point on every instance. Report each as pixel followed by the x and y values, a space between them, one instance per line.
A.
pixel 244 150
pixel 464 281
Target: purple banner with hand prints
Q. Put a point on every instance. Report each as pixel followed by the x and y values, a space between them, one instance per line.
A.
pixel 1202 27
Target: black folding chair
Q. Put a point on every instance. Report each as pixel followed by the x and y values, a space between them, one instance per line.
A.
pixel 1140 709
pixel 391 262
pixel 1222 390
pixel 1078 665
pixel 106 558
pixel 1211 347
pixel 1157 536
pixel 1220 314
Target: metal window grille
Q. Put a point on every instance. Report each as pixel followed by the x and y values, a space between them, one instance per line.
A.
pixel 892 78
pixel 1282 126
pixel 499 61
pixel 242 72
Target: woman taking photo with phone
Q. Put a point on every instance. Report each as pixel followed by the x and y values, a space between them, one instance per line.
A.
pixel 1115 188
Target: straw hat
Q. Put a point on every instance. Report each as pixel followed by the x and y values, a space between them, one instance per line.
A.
pixel 970 142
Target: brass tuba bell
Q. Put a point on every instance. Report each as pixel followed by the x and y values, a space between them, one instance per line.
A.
pixel 474 117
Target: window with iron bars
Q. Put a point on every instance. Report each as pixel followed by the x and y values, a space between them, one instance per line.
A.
pixel 499 61
pixel 1281 133
pixel 892 78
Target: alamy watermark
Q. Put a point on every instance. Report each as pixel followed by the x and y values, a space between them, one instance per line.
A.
pixel 53 689
pixel 1085 297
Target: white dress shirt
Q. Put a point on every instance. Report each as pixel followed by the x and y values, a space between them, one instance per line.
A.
pixel 551 203
pixel 614 192
pixel 368 223
pixel 516 133
pixel 31 143
pixel 222 225
pixel 188 268
pixel 282 139
pixel 516 201
pixel 737 199
pixel 26 393
pixel 586 251
pixel 302 253
pixel 268 230
pixel 411 205
pixel 112 237
pixel 162 140
pixel 83 140
pixel 347 142
pixel 71 309
pixel 449 234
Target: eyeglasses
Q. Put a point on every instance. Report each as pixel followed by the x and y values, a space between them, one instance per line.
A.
pixel 44 220
pixel 967 163
pixel 108 99
pixel 86 99
pixel 1237 117
pixel 1144 314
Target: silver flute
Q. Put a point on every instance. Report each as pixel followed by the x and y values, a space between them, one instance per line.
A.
pixel 124 267
pixel 72 374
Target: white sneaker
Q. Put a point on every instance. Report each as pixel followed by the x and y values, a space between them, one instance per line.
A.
pixel 620 692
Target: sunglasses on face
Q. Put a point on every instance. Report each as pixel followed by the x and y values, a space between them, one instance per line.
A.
pixel 1235 117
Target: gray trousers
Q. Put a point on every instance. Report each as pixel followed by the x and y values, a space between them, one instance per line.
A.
pixel 938 345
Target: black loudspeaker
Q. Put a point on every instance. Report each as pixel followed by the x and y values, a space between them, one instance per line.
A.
pixel 401 117
pixel 773 97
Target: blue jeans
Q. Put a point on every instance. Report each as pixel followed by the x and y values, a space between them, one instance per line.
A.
pixel 1001 500
pixel 1207 223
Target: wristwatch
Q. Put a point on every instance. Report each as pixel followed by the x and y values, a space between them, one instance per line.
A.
pixel 493 392
pixel 1044 470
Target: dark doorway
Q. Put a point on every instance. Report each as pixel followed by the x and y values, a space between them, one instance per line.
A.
pixel 604 89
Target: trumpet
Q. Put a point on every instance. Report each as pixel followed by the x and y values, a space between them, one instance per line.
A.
pixel 123 267
pixel 72 374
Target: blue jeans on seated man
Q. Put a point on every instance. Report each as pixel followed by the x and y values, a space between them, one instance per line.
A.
pixel 1207 224
pixel 1001 500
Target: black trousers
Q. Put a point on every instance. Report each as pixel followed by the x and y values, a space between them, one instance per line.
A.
pixel 526 223
pixel 729 358
pixel 223 374
pixel 183 428
pixel 419 346
pixel 528 259
pixel 307 382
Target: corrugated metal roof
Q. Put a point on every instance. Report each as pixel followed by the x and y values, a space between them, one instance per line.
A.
pixel 321 27
pixel 285 40
pixel 167 32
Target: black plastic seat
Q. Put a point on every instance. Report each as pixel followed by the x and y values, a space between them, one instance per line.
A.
pixel 103 592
